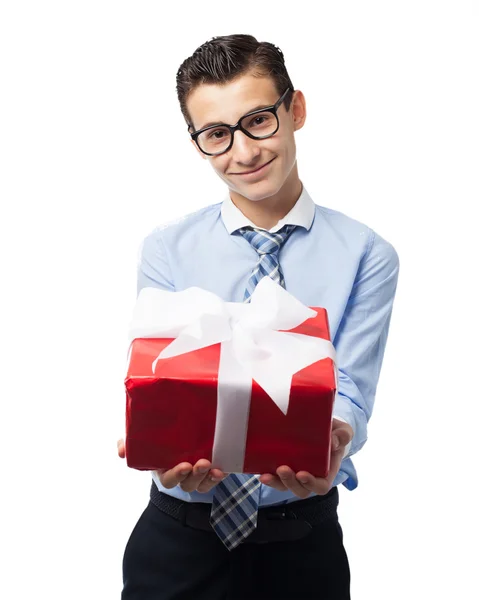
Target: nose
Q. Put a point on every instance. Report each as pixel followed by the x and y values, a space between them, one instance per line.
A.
pixel 245 150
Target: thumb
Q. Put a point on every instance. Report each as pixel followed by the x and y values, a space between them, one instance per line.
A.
pixel 121 448
pixel 340 438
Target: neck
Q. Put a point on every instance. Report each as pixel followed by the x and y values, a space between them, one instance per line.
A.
pixel 265 213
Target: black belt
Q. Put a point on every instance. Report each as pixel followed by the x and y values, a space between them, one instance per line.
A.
pixel 291 521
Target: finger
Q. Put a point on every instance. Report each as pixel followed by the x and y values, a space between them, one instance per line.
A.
pixel 343 432
pixel 335 463
pixel 318 485
pixel 288 478
pixel 217 474
pixel 211 480
pixel 195 478
pixel 273 481
pixel 322 485
pixel 121 448
pixel 176 475
pixel 335 442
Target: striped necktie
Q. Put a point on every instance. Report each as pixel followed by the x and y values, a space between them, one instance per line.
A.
pixel 234 510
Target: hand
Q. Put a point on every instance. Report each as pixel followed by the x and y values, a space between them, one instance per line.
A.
pixel 190 478
pixel 303 483
pixel 200 477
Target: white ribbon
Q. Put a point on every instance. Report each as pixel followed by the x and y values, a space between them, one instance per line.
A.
pixel 251 348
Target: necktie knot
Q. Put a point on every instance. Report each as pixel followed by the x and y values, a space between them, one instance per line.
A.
pixel 265 242
pixel 267 245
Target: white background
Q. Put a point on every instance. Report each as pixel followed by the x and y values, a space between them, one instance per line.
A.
pixel 95 153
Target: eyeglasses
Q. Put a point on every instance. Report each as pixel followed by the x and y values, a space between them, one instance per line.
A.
pixel 257 125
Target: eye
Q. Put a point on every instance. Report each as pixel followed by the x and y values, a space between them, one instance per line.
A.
pixel 217 134
pixel 260 120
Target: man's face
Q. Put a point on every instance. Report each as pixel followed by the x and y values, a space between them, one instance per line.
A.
pixel 213 103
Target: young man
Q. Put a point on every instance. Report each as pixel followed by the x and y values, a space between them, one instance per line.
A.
pixel 274 535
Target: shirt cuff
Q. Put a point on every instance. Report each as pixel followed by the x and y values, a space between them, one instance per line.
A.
pixel 348 445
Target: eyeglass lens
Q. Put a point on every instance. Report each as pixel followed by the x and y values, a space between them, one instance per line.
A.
pixel 217 139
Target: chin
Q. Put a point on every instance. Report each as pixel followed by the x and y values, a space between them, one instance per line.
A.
pixel 257 191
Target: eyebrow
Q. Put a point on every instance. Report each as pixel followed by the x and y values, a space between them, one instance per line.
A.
pixel 258 107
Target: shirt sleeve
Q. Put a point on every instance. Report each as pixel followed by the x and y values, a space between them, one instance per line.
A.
pixel 361 337
pixel 153 267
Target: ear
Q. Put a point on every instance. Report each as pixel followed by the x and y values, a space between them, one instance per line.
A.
pixel 198 150
pixel 298 109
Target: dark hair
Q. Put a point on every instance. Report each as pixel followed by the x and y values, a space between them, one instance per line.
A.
pixel 223 59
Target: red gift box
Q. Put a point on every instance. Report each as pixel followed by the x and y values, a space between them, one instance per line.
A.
pixel 171 414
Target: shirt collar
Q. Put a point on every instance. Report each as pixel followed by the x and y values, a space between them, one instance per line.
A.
pixel 302 214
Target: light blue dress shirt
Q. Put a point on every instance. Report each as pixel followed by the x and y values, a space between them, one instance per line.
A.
pixel 330 260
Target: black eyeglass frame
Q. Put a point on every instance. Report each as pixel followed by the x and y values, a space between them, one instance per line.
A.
pixel 272 109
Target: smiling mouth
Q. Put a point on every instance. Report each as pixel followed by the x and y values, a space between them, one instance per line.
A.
pixel 255 171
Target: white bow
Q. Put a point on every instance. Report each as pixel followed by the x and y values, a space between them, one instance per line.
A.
pixel 252 347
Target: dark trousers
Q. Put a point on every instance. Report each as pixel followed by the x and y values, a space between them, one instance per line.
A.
pixel 166 560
